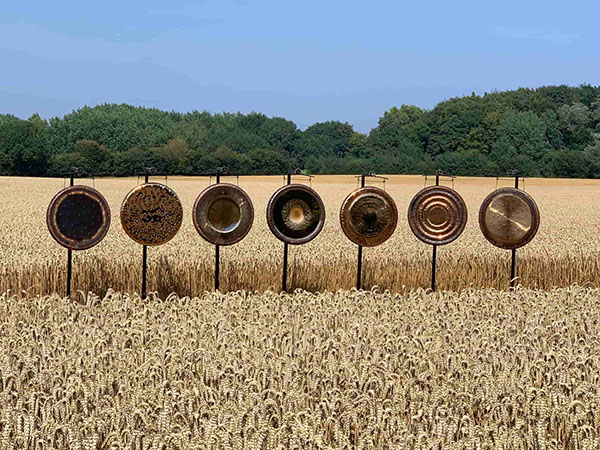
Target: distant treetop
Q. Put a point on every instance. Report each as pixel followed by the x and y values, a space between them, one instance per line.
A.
pixel 551 131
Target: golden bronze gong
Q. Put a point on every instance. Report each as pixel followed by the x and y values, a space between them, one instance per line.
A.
pixel 78 217
pixel 223 214
pixel 368 216
pixel 295 214
pixel 437 215
pixel 509 218
pixel 151 214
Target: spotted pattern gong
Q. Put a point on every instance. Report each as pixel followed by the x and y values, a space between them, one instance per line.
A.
pixel 223 214
pixel 151 214
pixel 368 216
pixel 509 218
pixel 295 214
pixel 78 217
pixel 437 215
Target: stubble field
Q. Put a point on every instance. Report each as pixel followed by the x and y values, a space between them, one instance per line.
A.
pixel 404 368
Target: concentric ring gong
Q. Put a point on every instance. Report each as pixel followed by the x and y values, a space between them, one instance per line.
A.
pixel 437 215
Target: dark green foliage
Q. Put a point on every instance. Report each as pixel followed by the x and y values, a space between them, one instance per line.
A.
pixel 61 163
pixel 118 127
pixel 268 162
pixel 23 145
pixel 549 131
pixel 569 164
pixel 592 159
pixel 521 143
pixel 329 139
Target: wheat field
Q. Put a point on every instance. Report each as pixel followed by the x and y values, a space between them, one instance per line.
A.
pixel 483 369
pixel 472 366
pixel 564 252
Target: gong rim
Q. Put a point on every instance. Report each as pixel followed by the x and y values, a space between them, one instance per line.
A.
pixel 202 208
pixel 487 228
pixel 349 228
pixel 437 215
pixel 273 219
pixel 140 202
pixel 53 213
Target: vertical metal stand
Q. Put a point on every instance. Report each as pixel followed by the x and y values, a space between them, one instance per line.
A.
pixel 434 256
pixel 360 250
pixel 144 256
pixel 69 251
pixel 513 263
pixel 359 264
pixel 217 249
pixel 285 251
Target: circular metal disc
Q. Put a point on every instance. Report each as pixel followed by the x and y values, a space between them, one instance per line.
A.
pixel 437 215
pixel 223 214
pixel 368 216
pixel 151 214
pixel 78 217
pixel 509 218
pixel 295 214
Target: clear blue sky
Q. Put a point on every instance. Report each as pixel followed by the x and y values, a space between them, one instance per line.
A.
pixel 308 61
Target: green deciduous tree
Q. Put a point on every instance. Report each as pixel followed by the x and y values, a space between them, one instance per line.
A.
pixel 325 139
pixel 534 130
pixel 569 164
pixel 521 143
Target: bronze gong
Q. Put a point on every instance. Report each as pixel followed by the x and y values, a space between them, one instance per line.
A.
pixel 151 214
pixel 223 214
pixel 509 218
pixel 368 216
pixel 437 215
pixel 295 214
pixel 78 217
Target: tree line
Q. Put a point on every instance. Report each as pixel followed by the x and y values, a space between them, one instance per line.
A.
pixel 551 131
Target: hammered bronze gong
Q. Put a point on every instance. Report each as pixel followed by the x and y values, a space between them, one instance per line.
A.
pixel 295 214
pixel 151 214
pixel 437 215
pixel 509 218
pixel 78 217
pixel 223 214
pixel 368 216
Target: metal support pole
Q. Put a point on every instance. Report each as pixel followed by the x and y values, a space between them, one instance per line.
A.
pixel 360 250
pixel 144 257
pixel 513 264
pixel 285 252
pixel 434 256
pixel 217 251
pixel 69 251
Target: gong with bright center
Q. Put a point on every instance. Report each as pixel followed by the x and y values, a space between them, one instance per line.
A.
pixel 437 215
pixel 78 217
pixel 509 218
pixel 223 214
pixel 368 216
pixel 295 214
pixel 151 214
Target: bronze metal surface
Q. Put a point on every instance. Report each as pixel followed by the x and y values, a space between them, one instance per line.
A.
pixel 368 216
pixel 78 217
pixel 223 214
pixel 151 214
pixel 437 215
pixel 509 218
pixel 295 214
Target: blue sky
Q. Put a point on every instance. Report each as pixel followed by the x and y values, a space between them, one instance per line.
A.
pixel 308 61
